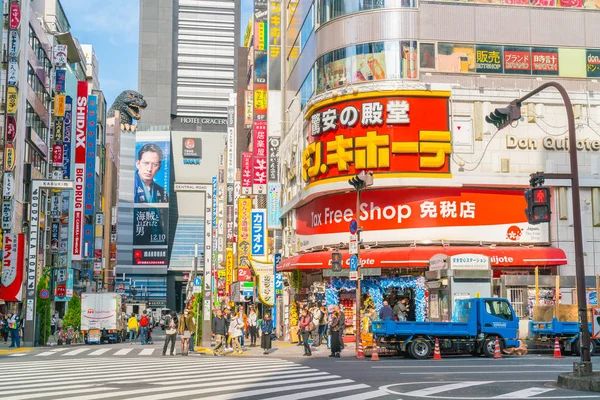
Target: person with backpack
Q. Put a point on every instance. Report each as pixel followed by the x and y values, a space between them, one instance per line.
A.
pixel 316 319
pixel 236 331
pixel 144 322
pixel 171 323
pixel 14 324
pixel 306 326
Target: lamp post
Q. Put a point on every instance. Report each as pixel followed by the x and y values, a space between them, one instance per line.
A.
pixel 360 182
pixel 502 117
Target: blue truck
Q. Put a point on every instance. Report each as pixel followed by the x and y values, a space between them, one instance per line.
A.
pixel 567 333
pixel 476 324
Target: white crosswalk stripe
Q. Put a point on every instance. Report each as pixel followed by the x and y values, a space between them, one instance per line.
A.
pixel 123 352
pixel 175 378
pixel 146 352
pixel 99 352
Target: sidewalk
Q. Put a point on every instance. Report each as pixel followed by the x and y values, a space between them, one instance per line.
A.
pixel 283 349
pixel 5 349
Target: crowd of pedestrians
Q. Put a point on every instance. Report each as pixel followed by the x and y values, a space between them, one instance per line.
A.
pixel 11 327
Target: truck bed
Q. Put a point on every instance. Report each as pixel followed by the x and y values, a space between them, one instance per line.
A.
pixel 406 328
pixel 555 328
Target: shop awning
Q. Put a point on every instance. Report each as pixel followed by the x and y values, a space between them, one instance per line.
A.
pixel 418 257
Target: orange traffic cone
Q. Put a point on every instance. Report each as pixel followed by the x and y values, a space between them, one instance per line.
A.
pixel 436 351
pixel 557 353
pixel 375 356
pixel 497 353
pixel 361 354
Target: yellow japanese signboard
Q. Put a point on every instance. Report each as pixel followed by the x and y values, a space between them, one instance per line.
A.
pixel 59 105
pixel 12 100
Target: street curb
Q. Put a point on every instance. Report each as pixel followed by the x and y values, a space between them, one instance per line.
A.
pixel 19 350
pixel 588 383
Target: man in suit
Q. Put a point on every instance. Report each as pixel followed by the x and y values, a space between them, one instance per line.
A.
pixel 149 162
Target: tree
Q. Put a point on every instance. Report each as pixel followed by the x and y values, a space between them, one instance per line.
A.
pixel 43 310
pixel 73 315
pixel 197 313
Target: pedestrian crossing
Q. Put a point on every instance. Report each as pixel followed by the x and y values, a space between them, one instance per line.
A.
pixel 93 352
pixel 175 378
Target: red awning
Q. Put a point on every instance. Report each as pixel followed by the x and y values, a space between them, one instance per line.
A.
pixel 418 257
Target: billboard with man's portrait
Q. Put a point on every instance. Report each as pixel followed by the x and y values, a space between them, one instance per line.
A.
pixel 151 176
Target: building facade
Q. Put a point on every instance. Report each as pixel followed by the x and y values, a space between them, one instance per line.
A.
pixel 385 87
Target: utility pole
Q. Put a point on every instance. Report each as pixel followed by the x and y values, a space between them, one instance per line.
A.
pixel 502 117
pixel 360 183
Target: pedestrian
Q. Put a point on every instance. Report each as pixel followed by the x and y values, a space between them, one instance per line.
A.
pixel 219 329
pixel 144 322
pixel 14 325
pixel 342 325
pixel 386 312
pixel 253 326
pixel 193 337
pixel 227 316
pixel 300 343
pixel 4 327
pixel 334 329
pixel 266 328
pixel 401 309
pixel 305 325
pixel 53 325
pixel 171 323
pixel 316 320
pixel 244 324
pixel 132 327
pixel 185 328
pixel 235 330
pixel 323 325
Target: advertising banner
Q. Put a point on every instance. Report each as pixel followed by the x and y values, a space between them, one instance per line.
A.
pixel 150 226
pixel 231 146
pixel 151 180
pixel 266 289
pixel 60 80
pixel 593 63
pixel 59 132
pixel 248 108
pixel 259 232
pixel 59 105
pixel 259 139
pixel 60 55
pixel 79 178
pixel 545 60
pixel 229 231
pixel 244 245
pixel 9 157
pixel 391 136
pixel 13 252
pixel 424 214
pixel 14 44
pixel 54 237
pixel 68 127
pixel 273 205
pixel 11 128
pixel 260 101
pixel 246 173
pixel 7 211
pixel 12 100
pixel 228 269
pixel 15 15
pixel 261 35
pixel 259 169
pixel 8 186
pixel 488 59
pixel 273 174
pixel 260 157
pixel 57 155
pixel 275 45
pixel 278 275
pixel 13 72
pixel 517 60
pixel 90 156
pixel 260 67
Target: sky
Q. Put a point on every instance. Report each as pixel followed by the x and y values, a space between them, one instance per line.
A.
pixel 112 28
pixel 247 7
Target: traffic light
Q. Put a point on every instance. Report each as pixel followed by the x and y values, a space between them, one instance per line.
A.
pixel 336 261
pixel 362 180
pixel 538 205
pixel 502 117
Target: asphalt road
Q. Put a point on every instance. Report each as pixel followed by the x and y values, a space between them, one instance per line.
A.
pixel 125 371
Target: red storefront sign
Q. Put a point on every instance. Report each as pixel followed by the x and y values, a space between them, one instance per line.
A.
pixel 15 15
pixel 406 134
pixel 246 172
pixel 545 62
pixel 57 155
pixel 420 214
pixel 11 128
pixel 517 60
pixel 11 284
pixel 259 139
pixel 243 274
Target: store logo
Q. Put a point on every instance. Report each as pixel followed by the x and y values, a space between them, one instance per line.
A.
pixel 514 233
pixel 189 144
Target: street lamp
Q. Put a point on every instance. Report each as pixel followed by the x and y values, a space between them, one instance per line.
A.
pixel 360 182
pixel 501 117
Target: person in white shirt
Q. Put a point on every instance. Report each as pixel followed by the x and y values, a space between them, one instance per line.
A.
pixel 317 314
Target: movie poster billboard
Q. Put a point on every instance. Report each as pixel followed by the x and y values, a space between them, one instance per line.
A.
pixel 151 177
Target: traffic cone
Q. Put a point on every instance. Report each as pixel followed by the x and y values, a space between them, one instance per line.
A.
pixel 497 353
pixel 375 356
pixel 361 355
pixel 557 353
pixel 436 351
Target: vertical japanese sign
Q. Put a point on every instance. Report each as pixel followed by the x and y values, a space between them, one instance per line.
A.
pixel 90 176
pixel 248 108
pixel 60 80
pixel 231 145
pixel 15 15
pixel 259 139
pixel 275 44
pixel 259 157
pixel 215 264
pixel 273 174
pixel 273 205
pixel 246 173
pixel 259 232
pixel 80 158
pixel 228 269
pixel 68 129
pixel 11 282
pixel 244 248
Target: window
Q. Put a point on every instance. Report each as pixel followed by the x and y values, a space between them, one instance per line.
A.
pixel 499 308
pixel 456 57
pixel 427 55
pixel 33 120
pixel 39 51
pixel 307 89
pixel 332 9
pixel 38 87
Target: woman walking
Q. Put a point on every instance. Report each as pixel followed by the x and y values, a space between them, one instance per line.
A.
pixel 334 330
pixel 305 329
pixel 185 329
pixel 253 326
pixel 266 328
pixel 236 331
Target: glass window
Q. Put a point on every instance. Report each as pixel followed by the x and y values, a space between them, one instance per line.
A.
pixel 307 27
pixel 462 310
pixel 332 9
pixel 427 55
pixel 499 308
pixel 307 89
pixel 456 57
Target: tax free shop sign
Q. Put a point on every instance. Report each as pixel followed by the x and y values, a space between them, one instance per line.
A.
pixel 424 214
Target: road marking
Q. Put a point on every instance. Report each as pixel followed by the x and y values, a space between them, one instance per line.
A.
pixel 50 352
pixel 99 352
pixel 18 355
pixel 315 393
pixel 61 393
pixel 364 396
pixel 519 394
pixel 123 352
pixel 77 351
pixel 481 372
pixel 146 352
pixel 445 388
pixel 475 366
pixel 33 388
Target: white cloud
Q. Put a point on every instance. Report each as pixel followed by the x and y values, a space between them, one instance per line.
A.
pixel 115 20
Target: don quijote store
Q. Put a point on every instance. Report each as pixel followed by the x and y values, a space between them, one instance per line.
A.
pixel 430 243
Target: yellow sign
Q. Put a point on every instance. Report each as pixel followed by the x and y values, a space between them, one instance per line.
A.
pixel 9 157
pixel 228 269
pixel 260 100
pixel 59 105
pixel 266 289
pixel 244 247
pixel 12 100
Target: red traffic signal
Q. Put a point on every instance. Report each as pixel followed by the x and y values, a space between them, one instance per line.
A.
pixel 538 205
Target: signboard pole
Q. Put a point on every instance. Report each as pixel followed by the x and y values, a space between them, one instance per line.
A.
pixel 358 269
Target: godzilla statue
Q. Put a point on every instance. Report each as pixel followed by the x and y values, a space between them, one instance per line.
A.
pixel 128 104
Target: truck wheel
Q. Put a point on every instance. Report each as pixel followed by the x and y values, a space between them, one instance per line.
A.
pixel 420 350
pixel 489 346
